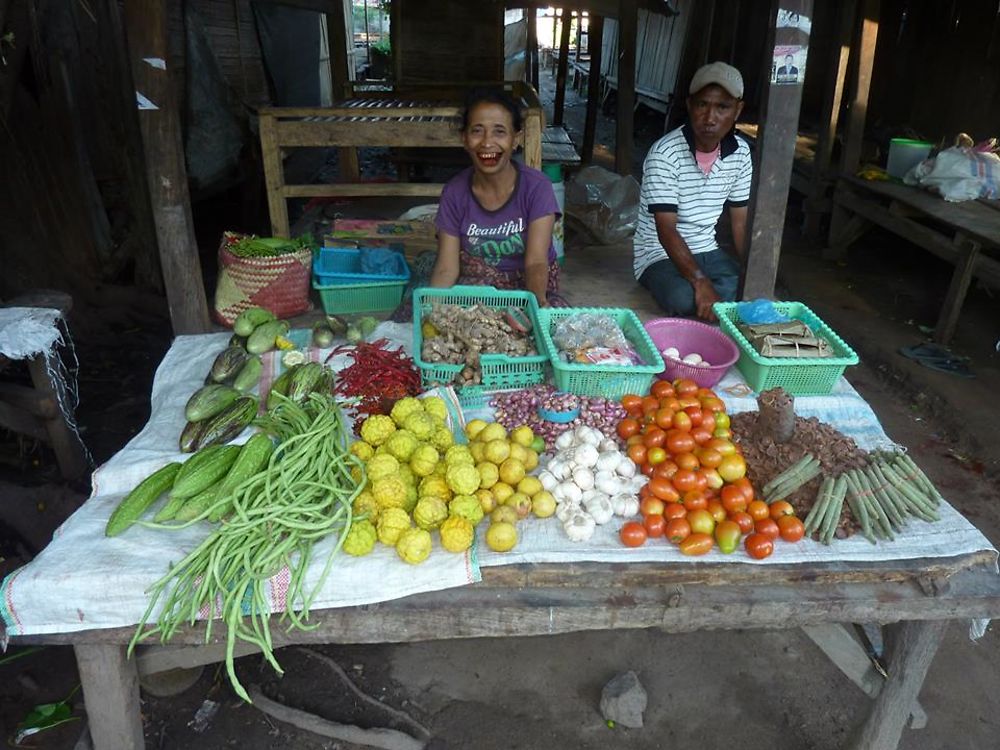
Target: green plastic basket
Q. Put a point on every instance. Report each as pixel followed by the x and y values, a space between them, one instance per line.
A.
pixel 801 377
pixel 499 371
pixel 373 296
pixel 607 381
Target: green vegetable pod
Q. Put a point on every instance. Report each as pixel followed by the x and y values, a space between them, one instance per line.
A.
pixel 305 380
pixel 230 422
pixel 280 386
pixel 204 469
pixel 139 499
pixel 227 364
pixel 249 319
pixel 264 336
pixel 191 436
pixel 249 375
pixel 209 400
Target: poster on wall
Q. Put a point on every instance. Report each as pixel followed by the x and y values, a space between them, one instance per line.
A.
pixel 788 64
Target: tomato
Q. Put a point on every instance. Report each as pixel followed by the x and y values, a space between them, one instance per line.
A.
pixel 687 461
pixel 727 534
pixel 655 525
pixel 732 499
pixel 632 404
pixel 645 492
pixel 708 479
pixel 665 470
pixel 664 418
pixel 733 467
pixel 722 433
pixel 686 401
pixel 695 500
pixel 791 528
pixel 701 521
pixel 647 469
pixel 697 544
pixel 650 404
pixel 661 489
pixel 758 510
pixel 633 534
pixel 685 480
pixel 713 404
pixel 685 387
pixel 725 447
pixel 722 420
pixel 654 437
pixel 651 506
pixel 682 421
pixel 656 456
pixel 781 508
pixel 677 530
pixel 745 487
pixel 717 511
pixel 670 403
pixel 695 415
pixel 758 546
pixel 674 510
pixel 637 438
pixel 678 441
pixel 628 427
pixel 637 452
pixel 743 520
pixel 768 527
pixel 662 389
pixel 700 435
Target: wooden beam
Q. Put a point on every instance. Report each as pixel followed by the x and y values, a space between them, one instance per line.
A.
pixel 694 54
pixel 628 23
pixel 111 694
pixel 775 154
pixel 596 31
pixel 957 289
pixel 864 53
pixel 336 39
pixel 531 46
pixel 163 144
pixel 560 102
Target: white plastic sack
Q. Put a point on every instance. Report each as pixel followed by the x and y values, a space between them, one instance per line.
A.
pixel 958 174
pixel 607 204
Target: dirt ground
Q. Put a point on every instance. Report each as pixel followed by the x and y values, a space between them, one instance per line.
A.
pixel 752 689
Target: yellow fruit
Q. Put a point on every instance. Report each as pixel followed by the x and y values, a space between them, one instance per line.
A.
pixel 457 534
pixel 501 536
pixel 530 486
pixel 414 546
pixel 543 504
pixel 489 473
pixel 531 460
pixel 463 479
pixel 501 491
pixel 492 431
pixel 503 513
pixel 362 450
pixel 522 436
pixel 436 407
pixel 521 504
pixel 486 501
pixel 478 451
pixel 459 454
pixel 511 471
pixel 497 451
pixel 473 428
pixel 518 453
pixel 435 486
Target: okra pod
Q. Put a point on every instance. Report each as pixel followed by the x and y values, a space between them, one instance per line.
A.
pixel 795 482
pixel 922 479
pixel 873 481
pixel 795 468
pixel 858 508
pixel 874 508
pixel 832 518
pixel 818 511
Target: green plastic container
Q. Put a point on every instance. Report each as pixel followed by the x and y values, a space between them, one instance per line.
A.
pixel 361 297
pixel 499 371
pixel 607 381
pixel 800 377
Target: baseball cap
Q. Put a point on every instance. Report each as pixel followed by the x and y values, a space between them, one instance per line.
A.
pixel 720 74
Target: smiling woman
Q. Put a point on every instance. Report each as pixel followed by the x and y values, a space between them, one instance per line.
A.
pixel 495 218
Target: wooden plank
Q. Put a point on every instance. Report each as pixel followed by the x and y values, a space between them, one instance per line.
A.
pixel 28 400
pixel 911 647
pixel 968 254
pixel 557 107
pixel 388 111
pixel 111 694
pixel 363 189
pixel 773 169
pixel 337 42
pixel 367 132
pixel 531 45
pixel 154 659
pixel 864 52
pixel 534 124
pixel 274 176
pixel 71 454
pixel 596 33
pixel 146 30
pixel 628 21
pixel 20 420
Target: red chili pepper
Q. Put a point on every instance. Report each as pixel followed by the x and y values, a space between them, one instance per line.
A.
pixel 378 376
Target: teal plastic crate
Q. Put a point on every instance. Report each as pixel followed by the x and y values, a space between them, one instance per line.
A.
pixel 607 381
pixel 801 377
pixel 343 299
pixel 499 371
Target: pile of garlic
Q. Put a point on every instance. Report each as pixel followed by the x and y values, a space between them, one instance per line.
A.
pixel 591 480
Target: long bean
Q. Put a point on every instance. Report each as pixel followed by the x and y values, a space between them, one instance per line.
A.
pixel 791 471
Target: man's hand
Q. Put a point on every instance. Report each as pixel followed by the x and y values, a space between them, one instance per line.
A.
pixel 704 297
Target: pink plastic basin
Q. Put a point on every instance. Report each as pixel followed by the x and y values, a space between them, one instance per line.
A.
pixel 689 336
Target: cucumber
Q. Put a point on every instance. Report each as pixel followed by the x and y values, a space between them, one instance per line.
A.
pixel 140 498
pixel 192 507
pixel 249 375
pixel 227 364
pixel 230 422
pixel 204 469
pixel 253 457
pixel 249 319
pixel 263 337
pixel 209 400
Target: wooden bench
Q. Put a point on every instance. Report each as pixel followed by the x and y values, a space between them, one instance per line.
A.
pixel 961 233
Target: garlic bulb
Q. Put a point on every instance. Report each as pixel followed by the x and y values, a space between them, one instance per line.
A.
pixel 566 511
pixel 580 527
pixel 625 467
pixel 608 461
pixel 625 504
pixel 564 441
pixel 548 480
pixel 583 478
pixel 600 509
pixel 585 455
pixel 570 492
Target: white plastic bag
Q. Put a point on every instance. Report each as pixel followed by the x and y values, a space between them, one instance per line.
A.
pixel 607 204
pixel 959 174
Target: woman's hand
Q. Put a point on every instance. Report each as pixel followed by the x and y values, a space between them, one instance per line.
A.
pixel 447 265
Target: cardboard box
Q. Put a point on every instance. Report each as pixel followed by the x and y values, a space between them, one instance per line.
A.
pixel 413 236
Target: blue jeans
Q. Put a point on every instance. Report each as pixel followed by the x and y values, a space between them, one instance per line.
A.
pixel 675 294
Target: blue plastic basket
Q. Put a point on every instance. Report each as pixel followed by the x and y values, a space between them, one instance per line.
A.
pixel 337 265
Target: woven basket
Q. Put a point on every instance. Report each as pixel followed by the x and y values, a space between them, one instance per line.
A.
pixel 279 283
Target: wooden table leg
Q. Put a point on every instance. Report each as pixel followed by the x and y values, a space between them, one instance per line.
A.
pixel 111 693
pixel 910 649
pixel 71 455
pixel 960 280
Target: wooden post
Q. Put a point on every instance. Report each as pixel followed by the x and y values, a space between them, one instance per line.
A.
pixel 839 54
pixel 336 37
pixel 694 54
pixel 865 51
pixel 594 32
pixel 957 289
pixel 111 694
pixel 560 102
pixel 775 151
pixel 628 22
pixel 159 122
pixel 274 175
pixel 532 46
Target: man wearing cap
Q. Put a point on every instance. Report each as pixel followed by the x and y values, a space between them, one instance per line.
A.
pixel 689 176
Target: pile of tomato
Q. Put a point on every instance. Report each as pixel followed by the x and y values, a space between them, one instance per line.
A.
pixel 698 495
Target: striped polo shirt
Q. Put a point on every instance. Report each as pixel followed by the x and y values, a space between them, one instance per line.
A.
pixel 673 182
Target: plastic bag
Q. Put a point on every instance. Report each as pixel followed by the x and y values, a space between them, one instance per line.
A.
pixel 759 311
pixel 592 338
pixel 959 174
pixel 607 204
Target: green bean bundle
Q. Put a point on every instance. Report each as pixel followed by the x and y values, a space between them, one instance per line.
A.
pixel 302 496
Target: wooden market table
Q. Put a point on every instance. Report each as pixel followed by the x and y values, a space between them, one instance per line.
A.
pixel 961 233
pixel 916 599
